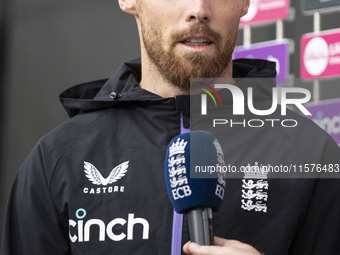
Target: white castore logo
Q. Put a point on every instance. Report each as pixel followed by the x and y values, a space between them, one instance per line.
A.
pixel 95 176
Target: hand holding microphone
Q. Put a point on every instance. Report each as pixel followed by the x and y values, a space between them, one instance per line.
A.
pixel 198 197
pixel 222 247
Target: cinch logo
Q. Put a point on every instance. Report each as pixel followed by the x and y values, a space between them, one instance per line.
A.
pixel 204 96
pixel 82 229
pixel 330 124
pixel 239 101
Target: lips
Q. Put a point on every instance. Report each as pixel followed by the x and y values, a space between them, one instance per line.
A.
pixel 196 41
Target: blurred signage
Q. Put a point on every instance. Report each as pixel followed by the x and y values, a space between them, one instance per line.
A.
pixel 320 54
pixel 277 51
pixel 320 5
pixel 264 11
pixel 327 115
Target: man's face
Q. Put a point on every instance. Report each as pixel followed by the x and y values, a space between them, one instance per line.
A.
pixel 189 38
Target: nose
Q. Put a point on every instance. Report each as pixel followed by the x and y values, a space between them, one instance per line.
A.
pixel 198 10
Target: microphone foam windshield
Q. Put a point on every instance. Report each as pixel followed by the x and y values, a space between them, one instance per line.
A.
pixel 184 153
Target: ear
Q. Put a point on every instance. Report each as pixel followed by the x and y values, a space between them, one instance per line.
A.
pixel 245 7
pixel 128 6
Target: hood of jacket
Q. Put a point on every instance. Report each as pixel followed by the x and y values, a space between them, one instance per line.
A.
pixel 123 86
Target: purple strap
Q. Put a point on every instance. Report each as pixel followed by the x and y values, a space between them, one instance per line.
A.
pixel 176 241
pixel 177 221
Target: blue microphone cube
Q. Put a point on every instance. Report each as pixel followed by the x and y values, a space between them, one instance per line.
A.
pixel 184 153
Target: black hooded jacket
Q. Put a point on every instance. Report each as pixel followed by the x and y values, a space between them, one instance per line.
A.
pixel 95 184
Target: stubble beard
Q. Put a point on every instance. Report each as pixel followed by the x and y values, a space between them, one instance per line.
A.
pixel 178 70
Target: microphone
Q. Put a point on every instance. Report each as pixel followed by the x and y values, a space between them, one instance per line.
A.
pixel 197 197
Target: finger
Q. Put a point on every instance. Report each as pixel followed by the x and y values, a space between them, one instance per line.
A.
pixel 195 249
pixel 219 241
pixel 186 247
pixel 228 242
pixel 221 247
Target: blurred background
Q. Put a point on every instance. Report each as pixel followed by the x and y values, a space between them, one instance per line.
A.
pixel 46 47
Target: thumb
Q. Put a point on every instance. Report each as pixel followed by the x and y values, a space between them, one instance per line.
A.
pixel 196 249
